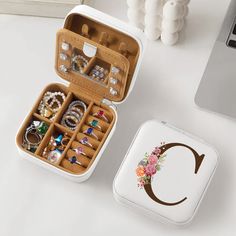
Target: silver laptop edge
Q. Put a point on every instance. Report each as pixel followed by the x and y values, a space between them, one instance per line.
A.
pixel 217 89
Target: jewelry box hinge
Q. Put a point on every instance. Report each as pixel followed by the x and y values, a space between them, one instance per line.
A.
pixel 109 103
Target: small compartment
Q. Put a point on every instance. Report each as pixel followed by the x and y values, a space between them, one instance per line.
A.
pixel 87 141
pixel 54 145
pixel 97 124
pixel 51 101
pixel 101 114
pixel 92 133
pixel 33 133
pixel 71 165
pixel 74 112
pixel 82 150
pixel 77 157
pixel 101 48
pixel 79 61
pixel 99 70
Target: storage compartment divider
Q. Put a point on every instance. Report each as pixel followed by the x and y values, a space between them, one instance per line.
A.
pixel 63 108
pixel 45 140
pixel 39 117
pixel 89 66
pixel 75 132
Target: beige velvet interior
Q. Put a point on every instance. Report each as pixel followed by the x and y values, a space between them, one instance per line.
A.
pixel 114 48
pixel 56 128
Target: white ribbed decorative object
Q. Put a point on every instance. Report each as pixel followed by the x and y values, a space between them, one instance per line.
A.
pixel 136 4
pixel 157 18
pixel 168 38
pixel 152 34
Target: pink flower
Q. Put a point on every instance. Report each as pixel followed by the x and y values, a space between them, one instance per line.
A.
pixel 150 170
pixel 157 151
pixel 152 159
pixel 141 183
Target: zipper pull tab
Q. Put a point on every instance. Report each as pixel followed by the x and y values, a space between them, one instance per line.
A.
pixel 109 103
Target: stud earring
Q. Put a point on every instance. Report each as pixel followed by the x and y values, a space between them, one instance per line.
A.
pixel 113 81
pixel 63 68
pixel 115 70
pixel 113 92
pixel 65 46
pixel 63 56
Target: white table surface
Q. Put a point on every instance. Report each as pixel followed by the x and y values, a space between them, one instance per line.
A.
pixel 34 201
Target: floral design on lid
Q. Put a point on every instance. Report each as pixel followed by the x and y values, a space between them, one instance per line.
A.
pixel 149 166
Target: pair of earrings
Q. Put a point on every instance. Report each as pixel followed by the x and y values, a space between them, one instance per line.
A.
pixel 78 62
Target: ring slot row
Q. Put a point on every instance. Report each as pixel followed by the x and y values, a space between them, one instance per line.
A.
pixel 96 109
pixel 73 159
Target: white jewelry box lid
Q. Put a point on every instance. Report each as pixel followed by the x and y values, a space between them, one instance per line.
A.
pixel 181 167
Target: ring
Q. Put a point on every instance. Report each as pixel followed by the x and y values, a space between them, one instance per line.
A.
pixel 79 63
pixel 54 156
pixel 29 144
pixel 65 141
pixel 85 141
pixel 73 160
pixel 50 147
pixel 89 131
pixel 74 114
pixel 79 151
pixel 101 114
pixel 50 104
pixel 41 127
pixel 55 147
pixel 94 124
pixel 70 120
pixel 78 103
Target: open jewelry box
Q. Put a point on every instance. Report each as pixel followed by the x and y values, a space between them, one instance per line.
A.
pixel 70 126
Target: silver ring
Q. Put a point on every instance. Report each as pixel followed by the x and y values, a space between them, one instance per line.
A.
pixel 73 113
pixel 29 145
pixel 78 103
pixel 70 115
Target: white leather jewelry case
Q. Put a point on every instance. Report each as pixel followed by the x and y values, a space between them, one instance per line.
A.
pixel 165 173
pixel 101 39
